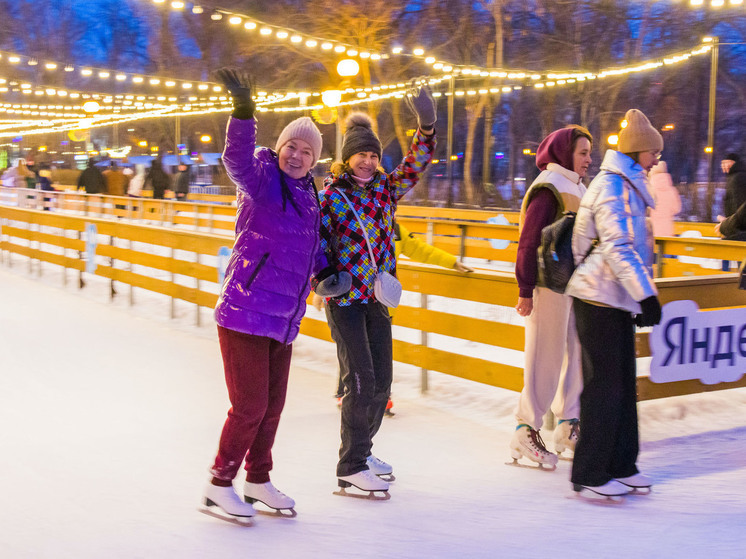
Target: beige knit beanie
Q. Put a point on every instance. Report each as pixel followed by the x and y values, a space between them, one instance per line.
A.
pixel 639 134
pixel 304 129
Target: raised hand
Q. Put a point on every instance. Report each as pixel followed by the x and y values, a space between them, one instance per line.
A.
pixel 421 102
pixel 239 85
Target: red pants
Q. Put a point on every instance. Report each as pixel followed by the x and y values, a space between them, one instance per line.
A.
pixel 256 373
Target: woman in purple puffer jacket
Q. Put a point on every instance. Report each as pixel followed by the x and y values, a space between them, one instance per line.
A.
pixel 263 297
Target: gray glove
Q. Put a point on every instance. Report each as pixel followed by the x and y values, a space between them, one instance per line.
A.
pixel 421 102
pixel 239 85
pixel 335 285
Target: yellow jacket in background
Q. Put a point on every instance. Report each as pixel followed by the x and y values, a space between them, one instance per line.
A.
pixel 417 249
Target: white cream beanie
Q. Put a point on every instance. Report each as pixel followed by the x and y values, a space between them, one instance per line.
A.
pixel 304 129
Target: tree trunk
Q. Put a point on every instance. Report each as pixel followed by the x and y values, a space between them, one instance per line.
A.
pixel 473 111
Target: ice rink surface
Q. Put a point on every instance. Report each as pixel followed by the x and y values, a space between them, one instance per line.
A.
pixel 110 415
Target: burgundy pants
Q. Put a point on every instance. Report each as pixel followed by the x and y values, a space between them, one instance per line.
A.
pixel 256 373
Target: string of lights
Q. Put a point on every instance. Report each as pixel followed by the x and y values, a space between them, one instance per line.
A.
pixel 263 98
pixel 272 32
pixel 539 79
pixel 89 122
pixel 716 3
pixel 170 106
pixel 96 121
pixel 104 74
pixel 569 78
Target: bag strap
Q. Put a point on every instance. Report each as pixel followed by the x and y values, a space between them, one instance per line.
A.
pixel 365 233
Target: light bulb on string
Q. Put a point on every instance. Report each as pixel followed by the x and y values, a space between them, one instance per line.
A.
pixel 331 97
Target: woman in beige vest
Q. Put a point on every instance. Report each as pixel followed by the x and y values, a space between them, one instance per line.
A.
pixel 552 371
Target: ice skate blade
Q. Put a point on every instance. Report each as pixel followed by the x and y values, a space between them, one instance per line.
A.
pixel 538 466
pixel 286 513
pixel 590 496
pixel 216 512
pixel 387 477
pixel 596 499
pixel 640 490
pixel 282 513
pixel 370 495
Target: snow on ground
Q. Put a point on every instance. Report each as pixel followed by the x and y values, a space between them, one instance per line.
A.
pixel 110 415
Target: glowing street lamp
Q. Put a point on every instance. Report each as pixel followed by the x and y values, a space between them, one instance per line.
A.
pixel 348 67
pixel 205 139
pixel 613 139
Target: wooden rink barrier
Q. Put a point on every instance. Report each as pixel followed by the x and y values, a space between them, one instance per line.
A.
pixel 458 231
pixel 145 250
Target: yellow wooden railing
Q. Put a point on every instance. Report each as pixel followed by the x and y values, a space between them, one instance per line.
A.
pixel 198 215
pixel 461 232
pixel 143 256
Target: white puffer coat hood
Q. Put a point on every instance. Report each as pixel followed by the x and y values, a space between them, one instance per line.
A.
pixel 613 214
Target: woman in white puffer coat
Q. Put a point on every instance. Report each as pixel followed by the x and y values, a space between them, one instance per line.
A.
pixel 613 291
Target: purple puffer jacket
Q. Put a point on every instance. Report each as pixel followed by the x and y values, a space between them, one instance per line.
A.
pixel 277 242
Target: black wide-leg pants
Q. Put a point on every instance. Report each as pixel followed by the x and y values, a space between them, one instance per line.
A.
pixel 609 440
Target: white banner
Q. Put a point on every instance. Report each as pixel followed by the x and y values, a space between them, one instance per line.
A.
pixel 689 344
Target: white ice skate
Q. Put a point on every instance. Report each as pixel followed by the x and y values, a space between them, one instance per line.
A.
pixel 269 495
pixel 380 468
pixel 527 442
pixel 566 435
pixel 610 492
pixel 365 480
pixel 637 484
pixel 225 504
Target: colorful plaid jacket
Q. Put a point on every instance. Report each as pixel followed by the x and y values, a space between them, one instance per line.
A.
pixel 341 236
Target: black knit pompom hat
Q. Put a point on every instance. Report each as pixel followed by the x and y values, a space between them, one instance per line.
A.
pixel 359 136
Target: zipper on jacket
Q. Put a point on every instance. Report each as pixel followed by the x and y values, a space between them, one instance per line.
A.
pixel 259 266
pixel 308 275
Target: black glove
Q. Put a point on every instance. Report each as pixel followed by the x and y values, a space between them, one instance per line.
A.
pixel 421 102
pixel 325 273
pixel 651 312
pixel 239 85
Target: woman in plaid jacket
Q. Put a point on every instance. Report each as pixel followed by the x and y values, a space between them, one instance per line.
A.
pixel 359 323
